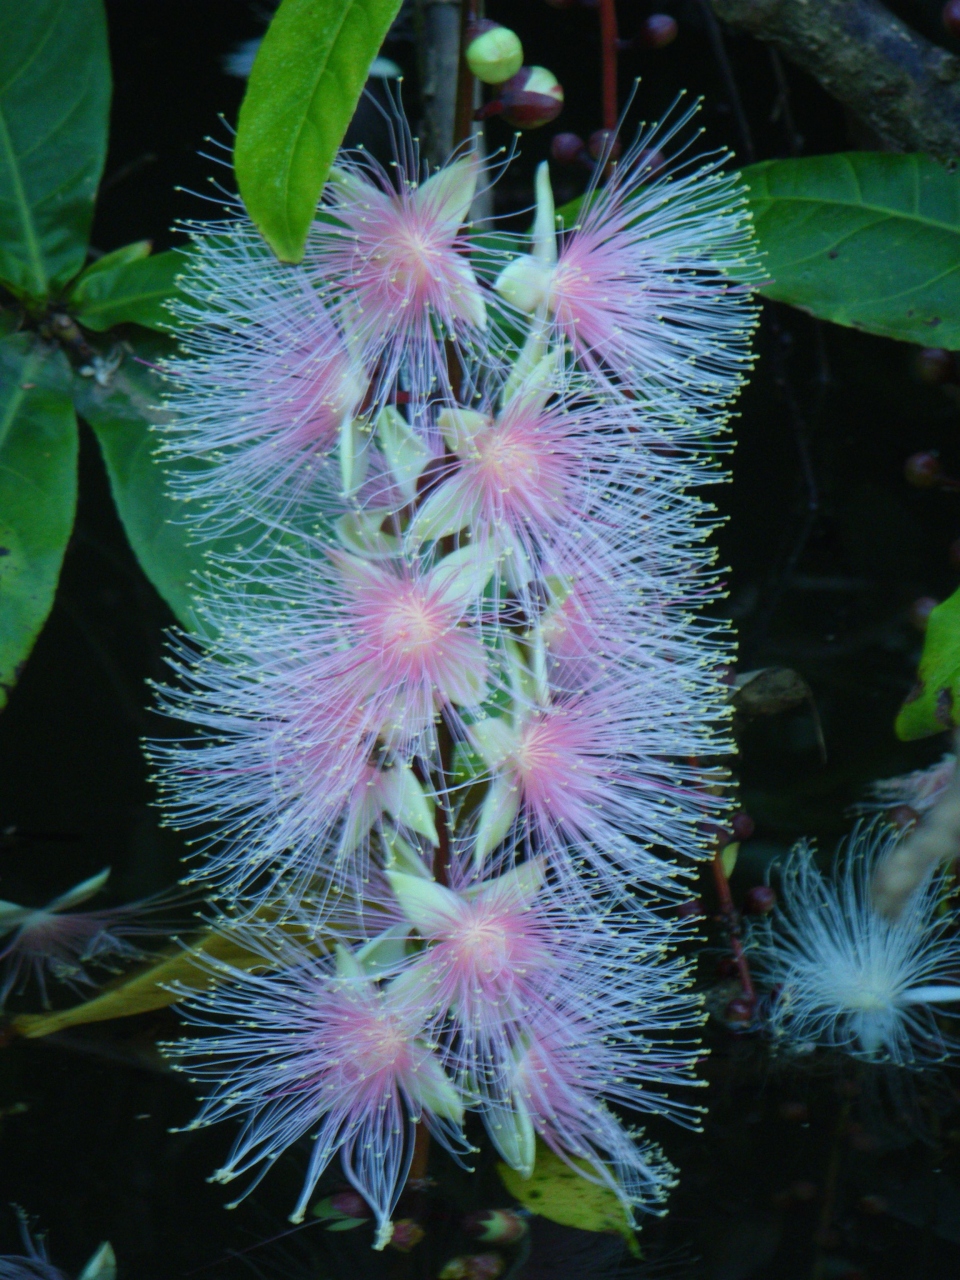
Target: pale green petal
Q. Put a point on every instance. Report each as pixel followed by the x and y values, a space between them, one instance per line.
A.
pixel 545 221
pixel 80 892
pixel 448 194
pixel 405 452
pixel 102 1266
pixel 460 428
pixel 497 816
pixel 511 1132
pixel 495 738
pixel 407 802
pixel 426 904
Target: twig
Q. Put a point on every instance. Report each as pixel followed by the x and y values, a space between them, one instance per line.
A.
pixel 904 87
pixel 731 921
pixel 608 63
pixel 715 36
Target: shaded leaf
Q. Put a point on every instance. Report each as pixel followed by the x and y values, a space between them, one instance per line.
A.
pixel 127 292
pixel 161 983
pixel 54 105
pixel 38 492
pixel 305 84
pixel 866 239
pixel 934 703
pixel 557 1192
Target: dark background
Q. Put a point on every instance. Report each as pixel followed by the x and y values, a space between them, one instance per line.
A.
pixel 805 1174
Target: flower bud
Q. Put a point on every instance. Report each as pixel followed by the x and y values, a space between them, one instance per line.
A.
pixel 494 53
pixel 531 98
pixel 474 1266
pixel 406 1235
pixel 760 900
pixel 743 826
pixel 738 1015
pixel 657 31
pixel 567 148
pixel 350 1203
pixel 950 16
pixel 495 1226
pixel 934 365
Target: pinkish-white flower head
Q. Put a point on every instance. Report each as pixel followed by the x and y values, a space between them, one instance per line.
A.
pixel 647 287
pixel 845 977
pixel 322 1050
pixel 920 789
pixel 313 712
pixel 390 254
pixel 264 387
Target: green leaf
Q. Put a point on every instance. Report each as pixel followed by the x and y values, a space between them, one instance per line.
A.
pixel 54 105
pixel 117 257
pixel 160 983
pixel 120 415
pixel 127 292
pixel 556 1191
pixel 38 492
pixel 305 84
pixel 866 239
pixel 934 703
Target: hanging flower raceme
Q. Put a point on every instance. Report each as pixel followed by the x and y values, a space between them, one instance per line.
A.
pixel 845 977
pixel 469 725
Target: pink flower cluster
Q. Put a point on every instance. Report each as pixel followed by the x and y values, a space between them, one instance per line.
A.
pixel 459 730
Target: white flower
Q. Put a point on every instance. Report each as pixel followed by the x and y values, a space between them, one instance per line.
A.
pixel 845 977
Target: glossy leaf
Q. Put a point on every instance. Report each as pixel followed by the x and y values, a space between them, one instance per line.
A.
pixel 155 987
pixel 127 292
pixel 38 492
pixel 305 84
pixel 557 1192
pixel 866 239
pixel 934 703
pixel 54 105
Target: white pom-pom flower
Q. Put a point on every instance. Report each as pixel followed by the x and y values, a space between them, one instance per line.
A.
pixel 842 976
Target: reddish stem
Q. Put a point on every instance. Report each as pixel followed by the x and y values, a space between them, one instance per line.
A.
pixel 463 116
pixel 730 919
pixel 608 47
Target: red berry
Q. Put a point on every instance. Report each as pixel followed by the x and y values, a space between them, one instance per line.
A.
pixel 691 908
pixel 760 900
pixel 743 826
pixel 601 144
pixel 923 470
pixel 921 610
pixel 951 17
pixel 934 365
pixel 657 31
pixel 407 1234
pixel 567 148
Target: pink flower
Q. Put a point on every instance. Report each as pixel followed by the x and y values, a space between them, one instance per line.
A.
pixel 392 257
pixel 321 1050
pixel 264 386
pixel 647 288
pixel 303 703
pixel 54 941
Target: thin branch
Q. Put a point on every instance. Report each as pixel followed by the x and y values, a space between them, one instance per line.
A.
pixel 904 87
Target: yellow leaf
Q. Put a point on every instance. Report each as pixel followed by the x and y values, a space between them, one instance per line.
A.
pixel 149 988
pixel 729 858
pixel 556 1191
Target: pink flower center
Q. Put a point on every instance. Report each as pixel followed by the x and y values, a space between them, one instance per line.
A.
pixel 409 626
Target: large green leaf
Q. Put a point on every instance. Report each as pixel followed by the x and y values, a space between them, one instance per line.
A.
pixel 38 492
pixel 120 414
pixel 127 291
pixel 867 239
pixel 304 86
pixel 934 703
pixel 556 1191
pixel 54 104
